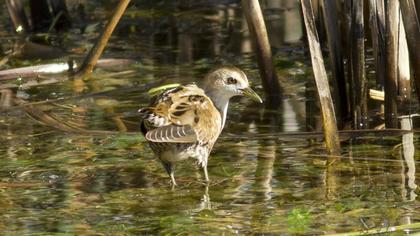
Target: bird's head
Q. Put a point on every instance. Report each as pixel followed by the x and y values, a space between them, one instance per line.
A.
pixel 229 81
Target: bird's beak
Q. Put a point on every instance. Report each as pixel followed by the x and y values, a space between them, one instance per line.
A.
pixel 251 94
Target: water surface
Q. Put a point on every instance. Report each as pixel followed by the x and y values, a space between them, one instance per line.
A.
pixel 263 181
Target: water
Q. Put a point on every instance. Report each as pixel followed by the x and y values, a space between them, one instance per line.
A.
pixel 262 182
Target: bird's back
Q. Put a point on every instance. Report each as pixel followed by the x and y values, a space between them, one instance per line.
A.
pixel 182 120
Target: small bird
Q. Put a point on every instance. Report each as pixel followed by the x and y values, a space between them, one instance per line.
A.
pixel 186 121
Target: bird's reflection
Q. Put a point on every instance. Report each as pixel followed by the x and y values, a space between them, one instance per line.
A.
pixel 205 202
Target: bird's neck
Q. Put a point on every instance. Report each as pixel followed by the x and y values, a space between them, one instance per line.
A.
pixel 221 102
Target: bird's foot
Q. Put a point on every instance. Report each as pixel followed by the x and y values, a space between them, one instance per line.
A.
pixel 173 183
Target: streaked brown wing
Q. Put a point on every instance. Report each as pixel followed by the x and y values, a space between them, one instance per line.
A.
pixel 189 116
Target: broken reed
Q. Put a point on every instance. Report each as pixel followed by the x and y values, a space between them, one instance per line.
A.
pixel 394 34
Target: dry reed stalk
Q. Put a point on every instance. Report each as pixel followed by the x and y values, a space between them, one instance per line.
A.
pixel 391 75
pixel 262 50
pixel 327 108
pixel 377 28
pixel 412 27
pixel 329 9
pixel 357 64
pixel 18 16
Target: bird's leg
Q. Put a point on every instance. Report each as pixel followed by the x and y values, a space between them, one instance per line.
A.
pixel 206 198
pixel 206 174
pixel 172 178
pixel 170 170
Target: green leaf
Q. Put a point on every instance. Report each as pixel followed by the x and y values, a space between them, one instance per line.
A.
pixel 156 91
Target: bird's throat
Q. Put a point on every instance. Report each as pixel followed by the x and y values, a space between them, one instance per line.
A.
pixel 223 113
pixel 221 102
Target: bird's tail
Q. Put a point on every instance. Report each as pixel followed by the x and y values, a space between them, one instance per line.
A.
pixel 148 114
pixel 145 112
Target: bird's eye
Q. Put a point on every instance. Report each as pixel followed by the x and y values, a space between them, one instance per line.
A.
pixel 231 80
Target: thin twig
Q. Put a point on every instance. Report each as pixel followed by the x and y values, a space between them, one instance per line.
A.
pixel 380 230
pixel 96 51
pixel 46 119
